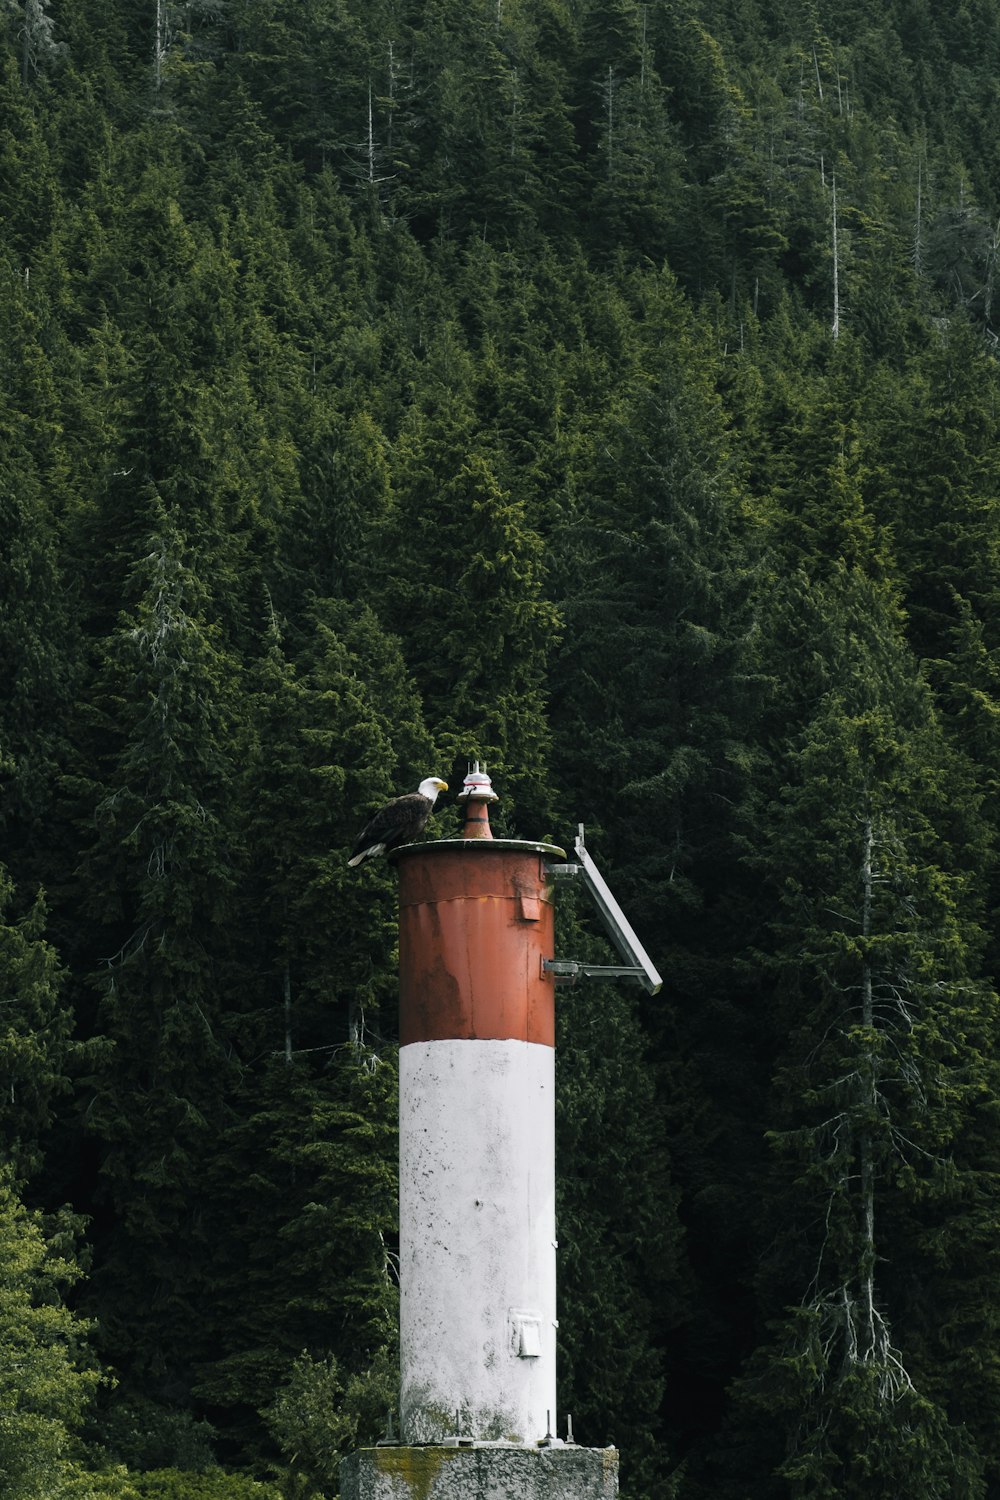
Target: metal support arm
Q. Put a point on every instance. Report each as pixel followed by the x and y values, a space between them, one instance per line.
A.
pixel 636 961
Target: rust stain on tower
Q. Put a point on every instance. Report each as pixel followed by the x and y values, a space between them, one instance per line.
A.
pixel 476 933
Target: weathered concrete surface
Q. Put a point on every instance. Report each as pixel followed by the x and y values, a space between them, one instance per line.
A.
pixel 477 1233
pixel 434 1473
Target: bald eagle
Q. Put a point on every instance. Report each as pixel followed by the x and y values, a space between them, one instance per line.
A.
pixel 398 822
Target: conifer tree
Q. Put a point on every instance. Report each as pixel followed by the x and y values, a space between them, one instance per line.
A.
pixel 620 1282
pixel 312 1269
pixel 334 738
pixel 883 1036
pixel 313 1115
pixel 482 635
pixel 38 666
pixel 654 571
pixel 157 883
pixel 47 1376
pixel 310 73
pixel 35 1029
pixel 934 479
pixel 37 36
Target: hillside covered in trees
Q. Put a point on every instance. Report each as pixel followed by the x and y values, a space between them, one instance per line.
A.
pixel 609 391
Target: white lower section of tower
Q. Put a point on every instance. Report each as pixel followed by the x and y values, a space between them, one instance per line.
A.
pixel 477 1240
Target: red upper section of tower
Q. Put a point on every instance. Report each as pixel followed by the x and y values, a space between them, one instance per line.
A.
pixel 475 926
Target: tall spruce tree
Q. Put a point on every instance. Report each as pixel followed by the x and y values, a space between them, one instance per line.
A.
pixel 653 565
pixel 39 651
pixel 35 1035
pixel 884 1055
pixel 312 1123
pixel 621 1281
pixel 649 691
pixel 312 1269
pixel 157 884
pixel 934 479
pixel 478 637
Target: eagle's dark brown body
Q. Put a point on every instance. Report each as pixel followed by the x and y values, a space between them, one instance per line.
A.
pixel 399 822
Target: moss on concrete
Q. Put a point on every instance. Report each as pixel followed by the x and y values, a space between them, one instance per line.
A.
pixel 435 1472
pixel 417 1468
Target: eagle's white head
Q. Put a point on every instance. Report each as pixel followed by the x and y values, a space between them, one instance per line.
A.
pixel 430 786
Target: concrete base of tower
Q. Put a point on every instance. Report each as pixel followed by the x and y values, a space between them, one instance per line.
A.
pixel 487 1472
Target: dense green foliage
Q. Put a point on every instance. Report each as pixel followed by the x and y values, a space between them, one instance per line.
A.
pixel 607 390
pixel 46 1377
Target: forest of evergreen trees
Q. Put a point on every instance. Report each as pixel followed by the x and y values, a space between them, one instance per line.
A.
pixel 609 391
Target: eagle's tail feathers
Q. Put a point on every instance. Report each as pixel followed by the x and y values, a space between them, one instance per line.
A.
pixel 369 853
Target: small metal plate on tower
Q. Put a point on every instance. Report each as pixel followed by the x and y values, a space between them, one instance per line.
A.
pixel 527 1338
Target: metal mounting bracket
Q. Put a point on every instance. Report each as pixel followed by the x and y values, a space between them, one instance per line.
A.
pixel 637 963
